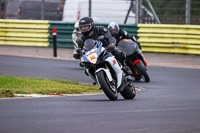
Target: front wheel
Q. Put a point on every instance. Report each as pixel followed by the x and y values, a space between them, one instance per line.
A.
pixel 109 89
pixel 129 92
pixel 142 70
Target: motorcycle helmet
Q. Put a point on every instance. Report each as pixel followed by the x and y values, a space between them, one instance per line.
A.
pixel 86 25
pixel 76 26
pixel 113 28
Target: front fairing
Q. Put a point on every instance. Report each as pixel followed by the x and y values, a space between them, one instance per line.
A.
pixel 92 56
pixel 128 46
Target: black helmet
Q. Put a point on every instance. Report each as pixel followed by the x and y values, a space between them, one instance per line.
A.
pixel 86 25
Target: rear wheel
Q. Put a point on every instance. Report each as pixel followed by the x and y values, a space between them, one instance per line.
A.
pixel 109 89
pixel 142 70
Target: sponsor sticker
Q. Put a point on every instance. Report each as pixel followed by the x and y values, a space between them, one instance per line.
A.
pixel 114 62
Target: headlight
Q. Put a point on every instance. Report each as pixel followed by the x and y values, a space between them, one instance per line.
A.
pixel 92 57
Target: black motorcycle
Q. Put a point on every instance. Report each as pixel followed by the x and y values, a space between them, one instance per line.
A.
pixel 135 59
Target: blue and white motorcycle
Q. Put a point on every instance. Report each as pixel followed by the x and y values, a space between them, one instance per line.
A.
pixel 105 70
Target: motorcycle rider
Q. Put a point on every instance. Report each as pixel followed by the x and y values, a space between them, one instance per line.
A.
pixel 120 34
pixel 90 31
pixel 75 35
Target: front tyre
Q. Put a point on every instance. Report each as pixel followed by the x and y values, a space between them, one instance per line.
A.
pixel 142 70
pixel 109 89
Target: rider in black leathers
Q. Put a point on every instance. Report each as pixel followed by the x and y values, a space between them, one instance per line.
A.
pixel 120 34
pixel 90 31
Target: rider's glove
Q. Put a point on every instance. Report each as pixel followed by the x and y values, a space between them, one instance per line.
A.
pixel 111 47
pixel 78 50
pixel 100 38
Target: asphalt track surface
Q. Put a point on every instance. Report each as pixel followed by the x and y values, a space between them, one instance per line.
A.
pixel 170 103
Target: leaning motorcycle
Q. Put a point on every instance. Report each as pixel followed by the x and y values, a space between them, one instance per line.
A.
pixel 135 59
pixel 105 70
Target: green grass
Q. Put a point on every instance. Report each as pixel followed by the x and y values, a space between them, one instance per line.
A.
pixel 17 85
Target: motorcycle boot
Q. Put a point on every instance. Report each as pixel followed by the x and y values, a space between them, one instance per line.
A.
pixel 126 69
pixel 129 80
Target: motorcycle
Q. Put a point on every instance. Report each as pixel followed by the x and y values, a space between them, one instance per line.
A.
pixel 105 70
pixel 135 59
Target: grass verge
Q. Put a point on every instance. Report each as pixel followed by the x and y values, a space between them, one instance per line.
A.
pixel 17 85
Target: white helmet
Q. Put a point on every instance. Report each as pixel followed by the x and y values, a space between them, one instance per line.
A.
pixel 76 26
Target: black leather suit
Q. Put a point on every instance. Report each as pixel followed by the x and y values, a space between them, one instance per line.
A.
pixel 124 35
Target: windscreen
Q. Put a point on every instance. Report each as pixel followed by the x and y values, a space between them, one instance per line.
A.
pixel 89 44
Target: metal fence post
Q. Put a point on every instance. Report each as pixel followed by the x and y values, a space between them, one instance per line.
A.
pixel 42 10
pixel 187 15
pixel 138 11
pixel 90 8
